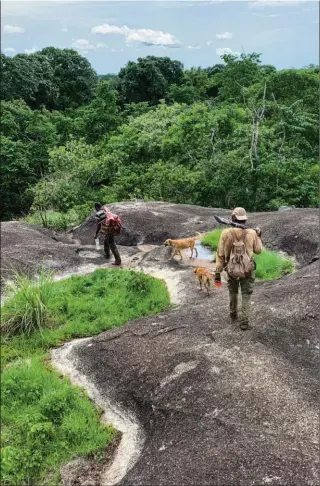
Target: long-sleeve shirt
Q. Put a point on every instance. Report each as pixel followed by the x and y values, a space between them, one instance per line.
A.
pixel 252 243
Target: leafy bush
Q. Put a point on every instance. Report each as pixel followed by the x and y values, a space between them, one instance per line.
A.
pixel 54 219
pixel 27 310
pixel 270 264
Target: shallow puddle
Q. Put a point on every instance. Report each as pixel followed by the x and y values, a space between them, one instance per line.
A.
pixel 204 253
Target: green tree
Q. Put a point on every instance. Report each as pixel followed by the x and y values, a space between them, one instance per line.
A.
pixel 26 137
pixel 148 79
pixel 240 72
pixel 73 76
pixel 290 85
pixel 100 117
pixel 28 77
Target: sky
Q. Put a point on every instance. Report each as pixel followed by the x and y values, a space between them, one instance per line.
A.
pixel 197 33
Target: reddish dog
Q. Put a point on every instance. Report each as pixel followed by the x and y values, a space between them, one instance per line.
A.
pixel 204 277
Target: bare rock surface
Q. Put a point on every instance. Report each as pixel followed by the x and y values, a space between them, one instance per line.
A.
pixel 294 232
pixel 216 405
pixel 27 247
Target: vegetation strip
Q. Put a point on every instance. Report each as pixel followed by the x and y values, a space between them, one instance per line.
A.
pixel 235 131
pixel 46 421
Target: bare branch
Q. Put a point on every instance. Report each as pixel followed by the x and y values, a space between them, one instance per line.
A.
pixel 212 142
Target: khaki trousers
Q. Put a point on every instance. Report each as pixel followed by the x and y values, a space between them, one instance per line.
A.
pixel 246 285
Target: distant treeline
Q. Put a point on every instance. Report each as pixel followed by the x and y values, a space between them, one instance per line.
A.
pixel 236 133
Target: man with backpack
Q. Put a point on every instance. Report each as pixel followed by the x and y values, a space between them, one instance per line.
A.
pixel 235 255
pixel 110 225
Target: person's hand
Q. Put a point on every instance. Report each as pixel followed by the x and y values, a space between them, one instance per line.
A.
pixel 258 231
pixel 217 279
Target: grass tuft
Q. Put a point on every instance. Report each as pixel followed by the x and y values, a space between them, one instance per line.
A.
pixel 27 308
pixel 270 264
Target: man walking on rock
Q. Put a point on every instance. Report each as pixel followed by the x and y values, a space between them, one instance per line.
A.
pixel 235 255
pixel 110 226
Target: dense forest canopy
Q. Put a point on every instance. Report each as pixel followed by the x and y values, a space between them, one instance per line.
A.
pixel 235 133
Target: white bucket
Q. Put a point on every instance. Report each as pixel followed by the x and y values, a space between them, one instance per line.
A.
pixel 97 242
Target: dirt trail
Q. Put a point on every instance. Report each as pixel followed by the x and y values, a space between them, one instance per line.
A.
pixel 132 436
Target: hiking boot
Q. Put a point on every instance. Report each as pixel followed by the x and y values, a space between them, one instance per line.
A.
pixel 233 315
pixel 117 263
pixel 244 325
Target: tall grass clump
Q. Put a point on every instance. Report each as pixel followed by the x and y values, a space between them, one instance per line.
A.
pixel 270 264
pixel 26 309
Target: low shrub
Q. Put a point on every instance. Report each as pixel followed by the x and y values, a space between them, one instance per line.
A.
pixel 55 219
pixel 270 264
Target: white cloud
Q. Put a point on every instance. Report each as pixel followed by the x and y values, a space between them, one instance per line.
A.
pixel 226 50
pixel 225 35
pixel 84 46
pixel 194 46
pixel 147 37
pixel 9 50
pixel 12 29
pixel 64 29
pixel 32 50
pixel 209 43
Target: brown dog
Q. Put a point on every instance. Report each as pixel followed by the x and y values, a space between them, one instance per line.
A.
pixel 183 244
pixel 204 277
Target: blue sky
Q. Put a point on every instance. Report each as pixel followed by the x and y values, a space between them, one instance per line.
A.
pixel 110 34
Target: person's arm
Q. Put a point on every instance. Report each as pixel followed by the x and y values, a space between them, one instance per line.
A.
pixel 257 243
pixel 220 256
pixel 98 230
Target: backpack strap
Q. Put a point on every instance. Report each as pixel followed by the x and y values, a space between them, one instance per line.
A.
pixel 244 234
pixel 242 237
